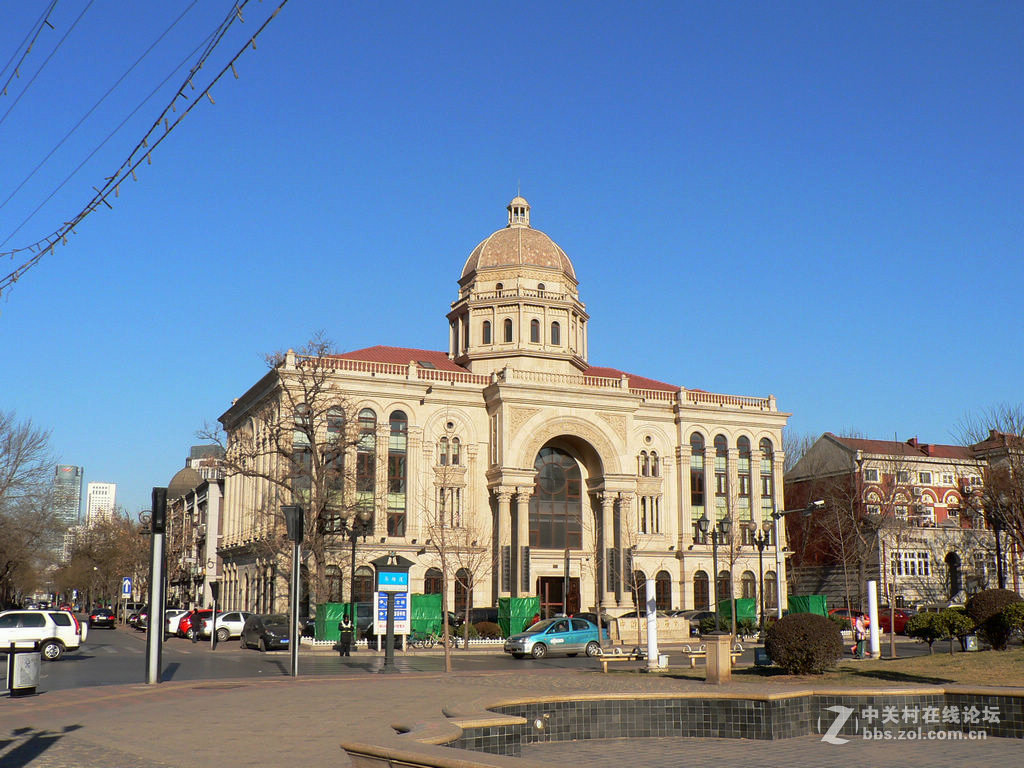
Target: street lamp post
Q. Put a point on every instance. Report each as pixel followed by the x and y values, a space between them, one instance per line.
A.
pixel 359 526
pixel 761 540
pixel 718 534
pixel 778 514
pixel 996 520
pixel 293 517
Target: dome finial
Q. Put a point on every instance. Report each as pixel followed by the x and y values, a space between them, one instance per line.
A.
pixel 519 212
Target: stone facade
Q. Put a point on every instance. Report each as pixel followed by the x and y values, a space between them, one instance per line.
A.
pixel 513 435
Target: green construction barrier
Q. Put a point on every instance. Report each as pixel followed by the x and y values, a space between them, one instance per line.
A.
pixel 425 613
pixel 746 608
pixel 808 604
pixel 327 617
pixel 514 613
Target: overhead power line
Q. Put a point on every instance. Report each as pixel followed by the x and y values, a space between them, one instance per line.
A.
pixel 157 133
pixel 41 22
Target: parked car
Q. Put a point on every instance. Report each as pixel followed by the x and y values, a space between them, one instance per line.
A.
pixel 185 628
pixel 173 617
pixel 476 615
pixel 102 617
pixel 643 615
pixel 900 619
pixel 606 620
pixel 55 631
pixel 695 617
pixel 558 635
pixel 267 632
pixel 229 624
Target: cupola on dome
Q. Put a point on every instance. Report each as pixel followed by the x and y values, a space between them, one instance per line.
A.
pixel 518 245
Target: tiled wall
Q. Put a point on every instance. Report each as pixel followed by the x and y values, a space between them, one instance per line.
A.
pixel 730 718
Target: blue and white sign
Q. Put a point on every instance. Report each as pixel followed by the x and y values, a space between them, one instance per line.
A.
pixel 393 581
pixel 126 586
pixel 380 616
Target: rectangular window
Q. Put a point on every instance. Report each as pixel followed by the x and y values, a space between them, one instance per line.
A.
pixel 506 567
pixel 947 479
pixel 925 478
pixel 903 476
pixel 870 475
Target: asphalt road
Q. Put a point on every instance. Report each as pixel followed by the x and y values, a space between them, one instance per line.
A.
pixel 117 657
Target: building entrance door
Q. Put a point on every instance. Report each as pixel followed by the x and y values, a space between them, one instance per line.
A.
pixel 550 589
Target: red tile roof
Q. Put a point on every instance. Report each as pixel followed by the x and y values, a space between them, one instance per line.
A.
pixel 635 382
pixel 402 356
pixel 910 448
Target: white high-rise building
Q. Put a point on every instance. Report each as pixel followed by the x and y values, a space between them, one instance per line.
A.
pixel 100 501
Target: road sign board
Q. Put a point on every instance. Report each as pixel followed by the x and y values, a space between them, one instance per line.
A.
pixel 393 581
pixel 126 586
pixel 380 616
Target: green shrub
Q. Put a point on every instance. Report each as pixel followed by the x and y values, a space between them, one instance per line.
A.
pixel 746 627
pixel 1013 616
pixel 928 627
pixel 804 643
pixel 707 624
pixel 986 608
pixel 956 624
pixel 841 622
pixel 488 630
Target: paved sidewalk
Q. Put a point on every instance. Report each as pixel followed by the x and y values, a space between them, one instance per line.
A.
pixel 284 721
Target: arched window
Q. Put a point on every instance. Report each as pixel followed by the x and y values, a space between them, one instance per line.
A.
pixel 540 286
pixel 442 451
pixel 535 331
pixel 556 508
pixel 654 464
pixel 463 591
pixel 771 590
pixel 767 484
pixel 556 334
pixel 743 512
pixel 362 587
pixel 639 589
pixel 701 593
pixel 397 471
pixel 697 479
pixel 723 587
pixel 448 452
pixel 499 287
pixel 455 452
pixel 366 459
pixel 433 583
pixel 332 574
pixel 487 332
pixel 302 455
pixel 748 585
pixel 508 331
pixel 663 591
pixel 721 477
pixel 645 464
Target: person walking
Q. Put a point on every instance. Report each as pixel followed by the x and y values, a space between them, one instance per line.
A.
pixel 196 625
pixel 859 633
pixel 345 635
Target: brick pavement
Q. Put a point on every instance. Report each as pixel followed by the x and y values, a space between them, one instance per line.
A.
pixel 281 721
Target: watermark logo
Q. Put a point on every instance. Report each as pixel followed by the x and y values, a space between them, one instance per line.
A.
pixel 894 723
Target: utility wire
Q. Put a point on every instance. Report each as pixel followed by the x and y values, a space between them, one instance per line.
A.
pixel 42 21
pixel 102 98
pixel 45 62
pixel 135 158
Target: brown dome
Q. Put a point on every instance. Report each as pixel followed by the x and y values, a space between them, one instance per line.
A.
pixel 183 481
pixel 518 245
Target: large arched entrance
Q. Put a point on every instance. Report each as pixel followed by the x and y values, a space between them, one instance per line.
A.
pixel 556 523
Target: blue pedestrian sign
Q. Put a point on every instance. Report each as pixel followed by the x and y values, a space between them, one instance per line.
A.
pixel 393 581
pixel 126 586
pixel 401 613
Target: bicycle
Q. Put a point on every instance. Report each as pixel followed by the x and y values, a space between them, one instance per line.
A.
pixel 430 639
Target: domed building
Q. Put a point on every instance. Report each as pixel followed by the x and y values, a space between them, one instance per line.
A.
pixel 543 474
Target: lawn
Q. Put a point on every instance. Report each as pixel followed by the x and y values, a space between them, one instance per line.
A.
pixel 1003 668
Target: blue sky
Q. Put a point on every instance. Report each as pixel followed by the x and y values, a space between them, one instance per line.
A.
pixel 821 201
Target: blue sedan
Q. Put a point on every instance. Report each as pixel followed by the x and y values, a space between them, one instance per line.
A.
pixel 558 635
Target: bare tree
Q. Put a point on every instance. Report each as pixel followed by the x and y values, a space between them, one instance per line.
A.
pixel 298 438
pixel 102 555
pixel 28 527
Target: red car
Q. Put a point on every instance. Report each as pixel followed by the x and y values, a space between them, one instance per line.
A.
pixel 900 619
pixel 185 625
pixel 101 617
pixel 849 615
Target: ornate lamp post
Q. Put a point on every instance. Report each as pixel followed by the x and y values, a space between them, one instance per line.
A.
pixel 719 534
pixel 356 527
pixel 761 540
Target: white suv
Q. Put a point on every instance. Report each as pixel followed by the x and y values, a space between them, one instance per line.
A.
pixel 55 631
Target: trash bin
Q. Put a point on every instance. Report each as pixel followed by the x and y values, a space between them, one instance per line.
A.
pixel 22 669
pixel 662 661
pixel 761 658
pixel 971 643
pixel 862 649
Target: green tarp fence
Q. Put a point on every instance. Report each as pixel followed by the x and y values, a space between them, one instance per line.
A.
pixel 808 604
pixel 746 608
pixel 514 613
pixel 425 613
pixel 327 617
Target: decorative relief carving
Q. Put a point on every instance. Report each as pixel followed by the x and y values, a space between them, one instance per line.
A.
pixel 617 422
pixel 519 416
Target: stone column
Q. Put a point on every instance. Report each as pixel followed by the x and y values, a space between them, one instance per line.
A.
pixel 607 542
pixel 522 539
pixel 625 520
pixel 502 520
pixel 685 513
